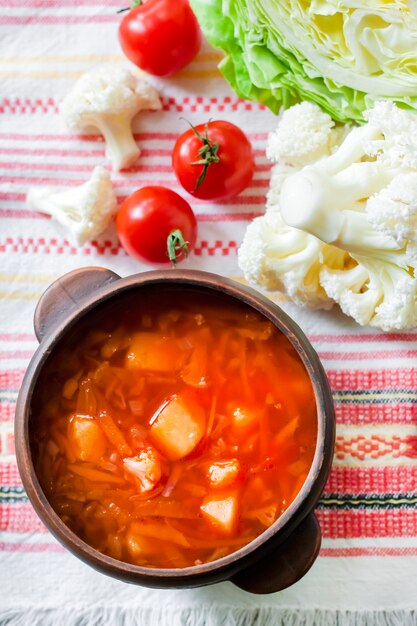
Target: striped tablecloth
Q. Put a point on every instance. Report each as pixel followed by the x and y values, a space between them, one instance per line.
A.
pixel 367 569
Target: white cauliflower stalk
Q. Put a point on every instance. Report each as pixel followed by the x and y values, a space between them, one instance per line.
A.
pixel 84 211
pixel 108 98
pixel 358 197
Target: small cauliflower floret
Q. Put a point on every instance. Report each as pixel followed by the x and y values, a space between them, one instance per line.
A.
pixel 87 438
pixel 151 351
pixel 394 208
pixel 146 468
pixel 108 98
pixel 221 511
pixel 304 135
pixel 84 211
pixel 397 144
pixel 224 473
pixel 178 427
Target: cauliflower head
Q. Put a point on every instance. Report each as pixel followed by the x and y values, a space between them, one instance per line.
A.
pixel 341 219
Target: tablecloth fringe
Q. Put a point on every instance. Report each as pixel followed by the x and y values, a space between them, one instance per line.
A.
pixel 205 616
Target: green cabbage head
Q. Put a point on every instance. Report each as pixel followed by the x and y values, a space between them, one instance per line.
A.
pixel 341 54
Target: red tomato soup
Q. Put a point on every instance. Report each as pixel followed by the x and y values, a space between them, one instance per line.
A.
pixel 169 435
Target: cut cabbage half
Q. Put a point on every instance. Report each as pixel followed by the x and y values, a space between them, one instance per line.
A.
pixel 342 54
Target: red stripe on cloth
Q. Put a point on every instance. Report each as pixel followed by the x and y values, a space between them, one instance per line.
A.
pixel 372 480
pixel 17 105
pixel 31 547
pixel 71 152
pixel 349 524
pixel 373 551
pixel 20 518
pixel 376 446
pixel 156 168
pixel 201 217
pixel 144 153
pixel 84 138
pixel 7 411
pixel 16 354
pixel 159 136
pixel 45 20
pixel 12 196
pixel 11 379
pixel 241 200
pixel 367 355
pixel 369 379
pixel 17 337
pixel 227 217
pixel 362 412
pixel 53 3
pixel 53 246
pixel 8 444
pixel 9 475
pixel 368 337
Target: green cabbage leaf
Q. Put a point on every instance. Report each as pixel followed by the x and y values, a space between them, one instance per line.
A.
pixel 341 54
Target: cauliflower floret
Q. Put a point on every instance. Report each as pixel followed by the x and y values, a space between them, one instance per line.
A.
pixel 276 256
pixel 145 468
pixel 397 147
pixel 304 135
pixel 394 209
pixel 350 289
pixel 381 296
pixel 108 98
pixel 84 211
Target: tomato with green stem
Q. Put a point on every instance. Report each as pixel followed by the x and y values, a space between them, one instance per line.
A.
pixel 160 36
pixel 156 225
pixel 213 161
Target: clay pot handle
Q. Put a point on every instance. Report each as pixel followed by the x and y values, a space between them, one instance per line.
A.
pixel 67 294
pixel 287 563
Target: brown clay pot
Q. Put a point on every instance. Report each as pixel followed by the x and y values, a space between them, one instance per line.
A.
pixel 274 560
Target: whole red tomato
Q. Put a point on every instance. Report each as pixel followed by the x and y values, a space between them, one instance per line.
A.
pixel 156 225
pixel 160 36
pixel 213 161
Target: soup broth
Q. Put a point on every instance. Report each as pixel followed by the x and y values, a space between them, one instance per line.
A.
pixel 172 435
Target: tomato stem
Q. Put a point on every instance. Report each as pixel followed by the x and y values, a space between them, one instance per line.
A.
pixel 134 4
pixel 176 245
pixel 207 152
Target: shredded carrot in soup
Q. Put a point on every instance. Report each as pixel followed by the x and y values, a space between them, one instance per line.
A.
pixel 172 436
